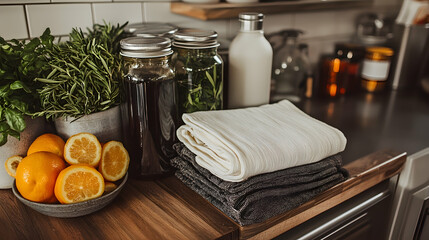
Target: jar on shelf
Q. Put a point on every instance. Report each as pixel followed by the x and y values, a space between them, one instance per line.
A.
pixel 199 70
pixel 149 108
pixel 375 68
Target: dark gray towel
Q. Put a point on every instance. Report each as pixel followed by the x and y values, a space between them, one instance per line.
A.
pixel 262 196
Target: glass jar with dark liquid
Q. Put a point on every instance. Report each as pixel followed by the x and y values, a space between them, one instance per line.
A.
pixel 149 109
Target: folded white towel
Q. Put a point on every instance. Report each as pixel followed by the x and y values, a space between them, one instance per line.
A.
pixel 237 144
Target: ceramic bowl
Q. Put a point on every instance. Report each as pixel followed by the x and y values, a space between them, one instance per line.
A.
pixel 73 209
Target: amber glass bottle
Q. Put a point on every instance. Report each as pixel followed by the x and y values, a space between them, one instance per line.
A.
pixel 375 68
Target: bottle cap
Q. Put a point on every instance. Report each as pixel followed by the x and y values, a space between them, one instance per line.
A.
pixel 251 21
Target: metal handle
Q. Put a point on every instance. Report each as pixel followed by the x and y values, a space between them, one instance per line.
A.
pixel 343 217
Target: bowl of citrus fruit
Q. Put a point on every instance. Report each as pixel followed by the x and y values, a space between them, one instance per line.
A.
pixel 69 179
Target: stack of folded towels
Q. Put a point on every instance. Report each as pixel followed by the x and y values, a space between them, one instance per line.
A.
pixel 255 163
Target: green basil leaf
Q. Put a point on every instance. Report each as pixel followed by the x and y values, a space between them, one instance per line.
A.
pixel 3 138
pixel 14 134
pixel 2 41
pixel 4 127
pixel 19 85
pixel 4 91
pixel 19 105
pixel 32 45
pixel 15 119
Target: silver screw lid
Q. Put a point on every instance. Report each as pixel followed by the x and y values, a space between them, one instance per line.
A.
pixel 141 47
pixel 195 38
pixel 152 29
pixel 251 21
pixel 156 31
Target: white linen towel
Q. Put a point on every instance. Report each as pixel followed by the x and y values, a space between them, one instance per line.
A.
pixel 237 144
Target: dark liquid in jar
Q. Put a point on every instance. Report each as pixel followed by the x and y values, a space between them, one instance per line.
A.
pixel 149 118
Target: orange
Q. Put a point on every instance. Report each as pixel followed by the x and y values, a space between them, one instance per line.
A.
pixel 79 183
pixel 47 143
pixel 109 186
pixel 114 161
pixel 11 164
pixel 36 176
pixel 83 148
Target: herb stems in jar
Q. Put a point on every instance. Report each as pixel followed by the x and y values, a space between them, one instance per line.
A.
pixel 199 70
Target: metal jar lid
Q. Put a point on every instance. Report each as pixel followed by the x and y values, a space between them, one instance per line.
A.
pixel 195 38
pixel 141 47
pixel 151 29
pixel 379 53
pixel 251 21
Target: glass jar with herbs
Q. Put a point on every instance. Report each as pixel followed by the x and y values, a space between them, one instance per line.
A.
pixel 149 108
pixel 199 70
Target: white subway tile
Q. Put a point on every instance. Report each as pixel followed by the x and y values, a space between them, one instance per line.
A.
pixel 61 18
pixel 316 24
pixel 233 28
pixel 23 1
pixel 278 22
pixel 160 12
pixel 117 12
pixel 12 22
pixel 78 1
pixel 347 21
pixel 146 0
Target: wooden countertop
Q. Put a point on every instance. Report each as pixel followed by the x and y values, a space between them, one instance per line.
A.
pixel 167 209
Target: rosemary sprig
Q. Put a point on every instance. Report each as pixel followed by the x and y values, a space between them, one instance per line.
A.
pixel 200 85
pixel 85 74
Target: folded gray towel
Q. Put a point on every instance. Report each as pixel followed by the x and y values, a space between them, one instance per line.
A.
pixel 262 196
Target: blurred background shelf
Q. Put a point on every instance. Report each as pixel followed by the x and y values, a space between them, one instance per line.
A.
pixel 227 10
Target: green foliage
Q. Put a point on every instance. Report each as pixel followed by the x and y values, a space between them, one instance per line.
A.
pixel 200 82
pixel 84 74
pixel 20 63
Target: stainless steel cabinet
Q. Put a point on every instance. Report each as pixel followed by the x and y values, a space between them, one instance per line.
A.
pixel 365 216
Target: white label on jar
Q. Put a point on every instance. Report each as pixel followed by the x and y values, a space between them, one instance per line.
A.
pixel 375 70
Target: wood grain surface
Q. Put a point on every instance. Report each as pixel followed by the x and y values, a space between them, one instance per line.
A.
pixel 164 209
pixel 167 209
pixel 231 10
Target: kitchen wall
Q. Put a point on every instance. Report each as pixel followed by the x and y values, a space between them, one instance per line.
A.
pixel 24 19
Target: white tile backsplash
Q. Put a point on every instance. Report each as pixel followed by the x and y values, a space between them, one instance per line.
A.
pixel 117 12
pixel 23 1
pixel 322 28
pixel 12 22
pixel 78 1
pixel 160 12
pixel 146 0
pixel 278 22
pixel 61 18
pixel 317 24
pixel 346 23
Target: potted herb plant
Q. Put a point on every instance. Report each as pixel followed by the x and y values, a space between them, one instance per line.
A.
pixel 20 63
pixel 81 92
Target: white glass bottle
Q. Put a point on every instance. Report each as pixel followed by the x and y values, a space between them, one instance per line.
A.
pixel 250 63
